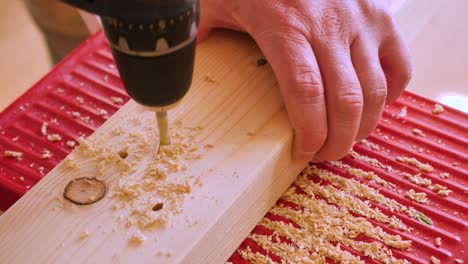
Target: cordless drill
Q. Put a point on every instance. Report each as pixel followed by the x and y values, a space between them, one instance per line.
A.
pixel 153 44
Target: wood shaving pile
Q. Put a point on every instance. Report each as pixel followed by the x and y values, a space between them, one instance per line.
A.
pixel 358 189
pixel 370 145
pixel 347 201
pixel 440 189
pixel 416 163
pixel 420 197
pixel 330 218
pixel 149 174
pixel 256 257
pixel 288 253
pixel 417 179
pixel 367 175
pixel 371 161
pixel 425 182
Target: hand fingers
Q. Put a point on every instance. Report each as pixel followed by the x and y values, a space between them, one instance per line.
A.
pixel 344 100
pixel 396 63
pixel 366 63
pixel 296 69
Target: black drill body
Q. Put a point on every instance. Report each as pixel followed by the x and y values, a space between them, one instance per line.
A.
pixel 153 44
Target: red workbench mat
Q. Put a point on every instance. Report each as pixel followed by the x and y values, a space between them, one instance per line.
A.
pixel 411 149
pixel 74 99
pixel 84 90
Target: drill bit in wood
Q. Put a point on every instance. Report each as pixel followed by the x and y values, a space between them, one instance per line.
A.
pixel 163 126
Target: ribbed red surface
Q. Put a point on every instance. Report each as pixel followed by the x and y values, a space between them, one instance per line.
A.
pixel 444 146
pixel 87 79
pixel 89 76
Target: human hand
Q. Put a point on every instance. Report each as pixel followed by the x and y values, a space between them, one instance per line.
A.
pixel 337 63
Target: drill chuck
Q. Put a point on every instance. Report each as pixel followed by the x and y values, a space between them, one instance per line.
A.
pixel 153 44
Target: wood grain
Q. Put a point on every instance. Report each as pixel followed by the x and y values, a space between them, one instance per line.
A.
pixel 242 175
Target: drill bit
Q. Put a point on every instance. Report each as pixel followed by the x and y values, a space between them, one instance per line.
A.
pixel 163 126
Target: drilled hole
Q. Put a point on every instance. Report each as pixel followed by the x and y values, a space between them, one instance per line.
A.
pixel 158 207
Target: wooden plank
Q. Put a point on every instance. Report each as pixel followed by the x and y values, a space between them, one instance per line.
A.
pixel 240 110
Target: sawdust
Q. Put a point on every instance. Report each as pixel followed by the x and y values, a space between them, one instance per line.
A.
pixel 44 128
pixel 440 189
pixel 354 187
pixel 416 163
pixel 425 182
pixel 329 225
pixel 420 197
pixel 84 235
pixel 418 132
pixel 54 137
pixel 137 238
pixel 403 111
pixel 435 260
pixel 331 215
pixel 371 161
pixel 438 109
pixel 13 154
pixel 417 179
pixel 116 100
pixel 46 154
pixel 367 175
pixel 148 174
pixel 256 257
pixel 370 145
pixel 288 253
pixel 70 144
pixel 103 112
pixel 347 201
pixel 444 175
